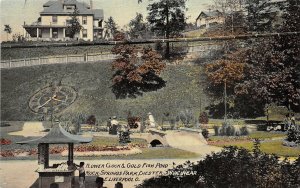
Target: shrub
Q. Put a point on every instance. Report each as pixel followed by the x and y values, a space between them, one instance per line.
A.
pixel 203 118
pixel 186 116
pixel 232 167
pixel 227 130
pixel 293 135
pixel 91 120
pixel 132 122
pixel 244 131
pixel 205 133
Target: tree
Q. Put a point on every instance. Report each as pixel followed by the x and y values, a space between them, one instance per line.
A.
pixel 137 27
pixel 186 117
pixel 167 18
pixel 273 65
pixel 270 73
pixel 235 23
pixel 8 30
pixel 133 74
pixel 225 73
pixel 111 26
pixel 231 10
pixel 259 18
pixel 74 25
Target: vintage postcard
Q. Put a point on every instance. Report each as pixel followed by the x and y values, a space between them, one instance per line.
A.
pixel 150 93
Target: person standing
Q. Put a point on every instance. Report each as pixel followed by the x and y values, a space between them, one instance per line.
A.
pixel 293 120
pixel 81 179
pixel 109 124
pixel 287 122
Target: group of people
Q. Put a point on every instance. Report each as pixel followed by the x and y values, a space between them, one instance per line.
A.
pixel 81 178
pixel 113 123
pixel 114 128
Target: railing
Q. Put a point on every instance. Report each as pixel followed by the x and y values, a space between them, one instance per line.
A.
pixel 56 60
pixel 89 57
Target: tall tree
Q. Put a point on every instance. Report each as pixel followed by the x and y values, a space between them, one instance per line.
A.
pixel 8 30
pixel 275 64
pixel 111 26
pixel 136 69
pixel 137 27
pixel 224 74
pixel 74 24
pixel 167 18
pixel 231 10
pixel 259 17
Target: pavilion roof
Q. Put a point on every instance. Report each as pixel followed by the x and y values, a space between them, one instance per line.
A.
pixel 58 135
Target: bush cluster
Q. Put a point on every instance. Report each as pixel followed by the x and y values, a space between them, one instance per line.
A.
pixel 293 135
pixel 203 118
pixel 205 133
pixel 229 130
pixel 247 169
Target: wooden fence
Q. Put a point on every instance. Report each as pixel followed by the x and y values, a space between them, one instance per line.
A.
pixel 56 60
pixel 12 63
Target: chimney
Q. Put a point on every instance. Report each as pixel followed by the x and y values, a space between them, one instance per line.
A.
pixel 91 4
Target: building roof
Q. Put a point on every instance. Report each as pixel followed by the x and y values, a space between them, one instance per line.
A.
pixel 57 8
pixel 98 13
pixel 214 13
pixel 58 135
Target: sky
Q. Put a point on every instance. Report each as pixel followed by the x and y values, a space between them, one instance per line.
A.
pixel 16 12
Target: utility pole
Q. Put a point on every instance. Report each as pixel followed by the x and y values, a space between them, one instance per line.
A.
pixel 225 102
pixel 232 23
pixel 167 31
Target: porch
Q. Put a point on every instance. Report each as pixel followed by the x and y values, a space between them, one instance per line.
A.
pixel 46 33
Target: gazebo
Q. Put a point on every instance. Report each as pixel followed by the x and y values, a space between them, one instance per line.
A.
pixel 58 175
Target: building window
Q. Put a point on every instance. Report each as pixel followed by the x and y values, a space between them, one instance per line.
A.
pixel 84 33
pixel 54 19
pixel 84 20
pixel 69 8
pixel 100 23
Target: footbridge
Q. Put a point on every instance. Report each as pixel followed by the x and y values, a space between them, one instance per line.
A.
pixel 184 137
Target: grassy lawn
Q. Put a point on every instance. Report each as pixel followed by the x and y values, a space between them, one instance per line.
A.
pixel 266 135
pixel 267 145
pixel 195 33
pixel 20 53
pixel 262 135
pixel 147 153
pixel 270 147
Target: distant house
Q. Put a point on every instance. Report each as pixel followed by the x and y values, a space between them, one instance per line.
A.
pixel 54 20
pixel 207 19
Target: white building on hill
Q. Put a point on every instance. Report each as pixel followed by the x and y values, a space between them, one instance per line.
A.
pixel 54 19
pixel 207 19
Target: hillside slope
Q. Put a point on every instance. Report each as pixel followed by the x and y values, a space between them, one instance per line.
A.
pixel 93 84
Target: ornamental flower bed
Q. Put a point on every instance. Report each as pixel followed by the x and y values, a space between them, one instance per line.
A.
pixel 61 149
pixel 105 151
pixel 83 148
pixel 4 141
